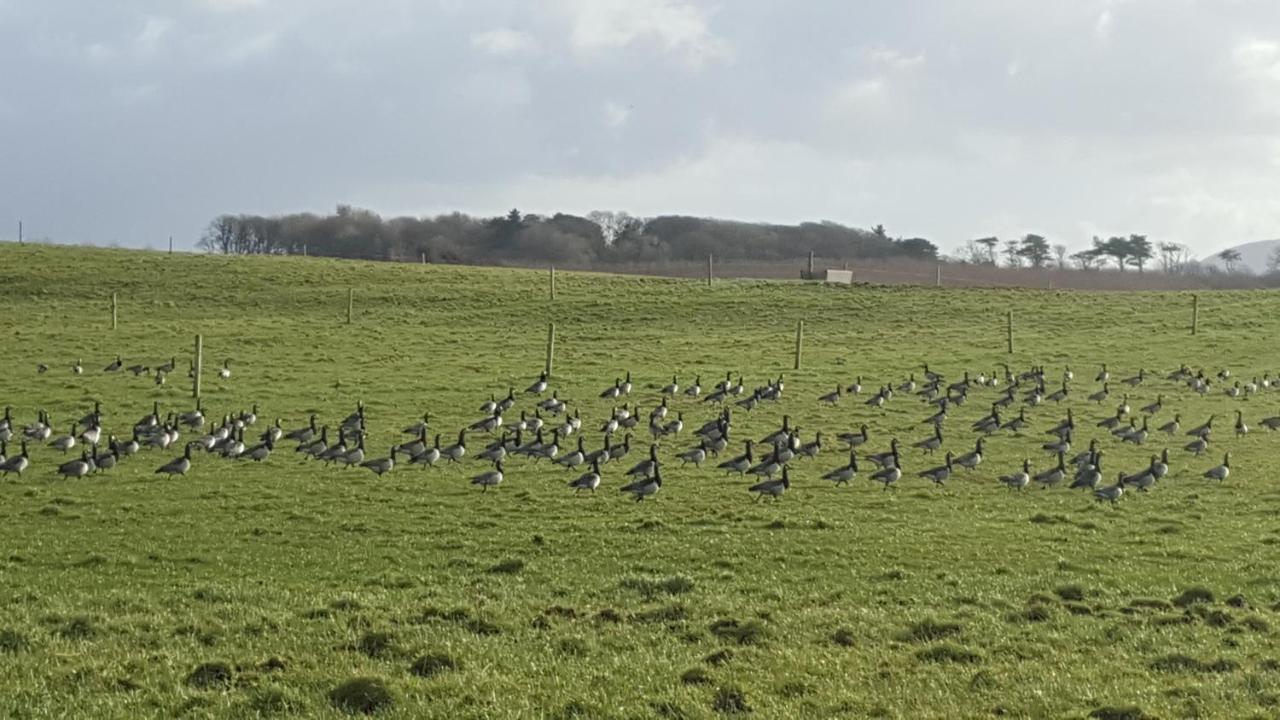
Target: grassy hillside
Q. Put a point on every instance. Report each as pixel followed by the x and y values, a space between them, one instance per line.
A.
pixel 951 602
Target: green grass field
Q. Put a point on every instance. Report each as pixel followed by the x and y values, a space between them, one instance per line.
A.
pixel 247 589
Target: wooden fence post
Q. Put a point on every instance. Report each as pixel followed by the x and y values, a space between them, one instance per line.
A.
pixel 553 282
pixel 1195 314
pixel 351 301
pixel 195 382
pixel 937 276
pixel 115 309
pixel 1009 329
pixel 551 348
pixel 424 258
pixel 810 277
pixel 799 341
pixel 709 270
pixel 170 244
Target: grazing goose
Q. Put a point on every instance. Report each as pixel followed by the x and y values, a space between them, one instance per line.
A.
pixel 1017 424
pixel 1197 446
pixel 1089 475
pixel 1018 480
pixel 772 488
pixel 1052 476
pixel 260 452
pixel 780 435
pixel 1086 457
pixel 16 463
pixel 990 423
pixel 139 369
pixel 1154 407
pixel 831 398
pixel 1241 427
pixel 64 442
pixel 382 466
pixel 1160 467
pixel 490 478
pixel 1172 427
pixel 972 459
pixel 854 440
pixel 1270 423
pixel 456 451
pixel 1110 493
pixel 645 468
pixel 1062 446
pixel 842 475
pixel 671 389
pixel 645 487
pixel 589 481
pixel 177 466
pixel 428 457
pixel 1060 394
pixel 695 389
pixel 940 474
pixel 77 369
pixel 891 473
pixel 1204 430
pixel 696 455
pixel 419 427
pixel 930 444
pixel 575 458
pixel 1112 422
pixel 114 366
pixel 1220 472
pixel 76 468
pixel 739 464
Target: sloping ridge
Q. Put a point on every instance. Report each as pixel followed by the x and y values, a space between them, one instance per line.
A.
pixel 1253 255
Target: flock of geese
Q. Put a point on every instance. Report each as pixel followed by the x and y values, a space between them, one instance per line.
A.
pixel 548 430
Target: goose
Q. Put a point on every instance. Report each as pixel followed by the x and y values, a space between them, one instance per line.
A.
pixel 1089 475
pixel 889 456
pixel 419 427
pixel 725 383
pixel 169 366
pixel 1110 493
pixel 599 455
pixel 319 449
pixel 970 460
pixel 772 488
pixel 1197 446
pixel 194 418
pixel 456 451
pixel 509 401
pixel 225 371
pixel 76 468
pixel 41 368
pixel 1103 375
pixel 250 417
pixel 139 369
pixel 1203 430
pixel 1101 395
pixel 92 434
pixel 877 400
pixel 787 449
pixel 617 452
pixel 625 387
pixel 1063 445
pixel 233 449
pixel 1009 396
pixel 842 475
pixel 489 406
pixel 739 464
pixel 990 423
pixel 1160 467
pixel 354 456
pixel 107 460
pixel 131 447
pixel 535 423
pixel 493 452
pixel 1251 388
pixel 810 450
pixel 260 452
pixel 930 444
pixel 779 435
pixel 1220 472
pixel 614 392
pixel 1018 480
pixel 177 466
pixel 354 423
pixel 6 425
pixel 890 473
pixel 1172 427
pixel 382 466
pixel 1053 475
pixel 854 440
pixel 16 463
pixel 770 465
pixel 575 458
pixel 645 468
pixel 671 389
pixel 750 402
pixel 77 369
pixel 831 398
pixel 1136 380
pixel 149 421
pixel 909 386
pixel 1057 396
pixel 1139 435
pixel 428 457
pixel 1270 423
pixel 1241 427
pixel 645 487
pixel 588 481
pixel 1018 423
pixel 738 388
pixel 1154 407
pixel 275 432
pixel 695 389
pixel 1143 479
pixel 575 421
pixel 631 421
pixel 489 478
pixel 611 426
pixel 940 474
pixel 1233 391
pixel 695 455
pixel 39 430
pixel 539 386
pixel 64 442
pixel 489 424
pixel 547 450
pixel 660 411
pixel 114 366
pixel 929 374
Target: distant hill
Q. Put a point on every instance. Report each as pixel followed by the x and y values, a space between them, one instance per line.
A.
pixel 1253 255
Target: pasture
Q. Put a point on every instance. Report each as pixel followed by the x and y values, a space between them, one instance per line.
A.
pixel 249 589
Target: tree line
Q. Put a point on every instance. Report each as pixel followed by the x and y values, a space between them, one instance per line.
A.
pixel 599 237
pixel 1120 252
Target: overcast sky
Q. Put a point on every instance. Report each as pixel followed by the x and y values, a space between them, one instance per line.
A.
pixel 130 120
